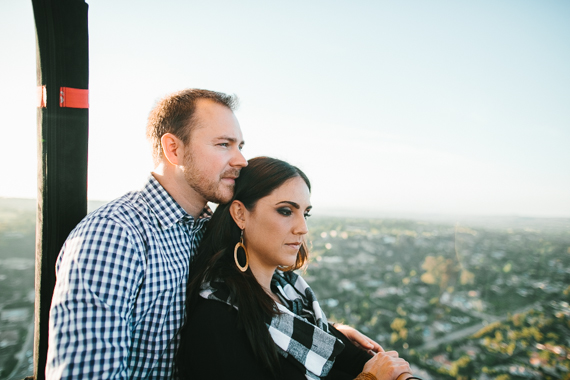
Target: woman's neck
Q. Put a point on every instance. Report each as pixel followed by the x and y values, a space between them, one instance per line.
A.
pixel 263 276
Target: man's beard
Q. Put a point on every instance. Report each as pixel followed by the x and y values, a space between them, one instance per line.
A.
pixel 212 191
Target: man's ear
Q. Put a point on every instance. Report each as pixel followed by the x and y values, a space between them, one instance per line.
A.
pixel 238 211
pixel 172 148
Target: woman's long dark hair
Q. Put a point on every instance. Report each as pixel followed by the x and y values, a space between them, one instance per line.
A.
pixel 215 259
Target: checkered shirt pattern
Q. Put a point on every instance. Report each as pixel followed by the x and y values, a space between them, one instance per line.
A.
pixel 305 341
pixel 118 303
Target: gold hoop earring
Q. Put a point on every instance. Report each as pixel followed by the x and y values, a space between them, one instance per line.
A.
pixel 238 245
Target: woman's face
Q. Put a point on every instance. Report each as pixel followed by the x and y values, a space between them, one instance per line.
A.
pixel 276 227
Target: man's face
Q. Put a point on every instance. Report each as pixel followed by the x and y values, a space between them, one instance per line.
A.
pixel 213 156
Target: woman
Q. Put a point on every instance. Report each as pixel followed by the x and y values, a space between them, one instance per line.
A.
pixel 249 315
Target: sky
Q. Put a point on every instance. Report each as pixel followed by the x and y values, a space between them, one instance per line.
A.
pixel 391 108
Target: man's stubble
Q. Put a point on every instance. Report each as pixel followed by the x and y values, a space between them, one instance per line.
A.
pixel 213 190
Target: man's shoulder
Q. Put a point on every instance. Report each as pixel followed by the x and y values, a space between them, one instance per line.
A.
pixel 129 212
pixel 130 204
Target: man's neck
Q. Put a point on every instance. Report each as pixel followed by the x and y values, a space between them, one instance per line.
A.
pixel 178 189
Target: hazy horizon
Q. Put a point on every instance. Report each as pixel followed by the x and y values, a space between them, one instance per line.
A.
pixel 473 220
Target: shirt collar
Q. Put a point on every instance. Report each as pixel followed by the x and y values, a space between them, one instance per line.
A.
pixel 165 208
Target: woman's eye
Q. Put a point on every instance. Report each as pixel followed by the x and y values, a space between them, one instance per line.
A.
pixel 307 215
pixel 284 211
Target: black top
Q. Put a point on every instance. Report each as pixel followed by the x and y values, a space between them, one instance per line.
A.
pixel 217 349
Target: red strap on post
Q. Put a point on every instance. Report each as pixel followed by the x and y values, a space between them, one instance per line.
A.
pixel 73 97
pixel 42 97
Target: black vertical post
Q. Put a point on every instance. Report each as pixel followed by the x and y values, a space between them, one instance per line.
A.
pixel 63 79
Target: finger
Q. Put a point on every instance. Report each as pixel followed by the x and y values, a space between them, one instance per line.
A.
pixel 358 339
pixel 372 348
pixel 357 344
pixel 392 353
pixel 391 360
pixel 375 346
pixel 364 342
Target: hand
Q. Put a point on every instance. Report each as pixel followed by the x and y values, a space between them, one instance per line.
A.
pixel 388 366
pixel 358 339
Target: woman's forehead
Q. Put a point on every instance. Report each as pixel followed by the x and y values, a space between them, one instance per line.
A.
pixel 292 190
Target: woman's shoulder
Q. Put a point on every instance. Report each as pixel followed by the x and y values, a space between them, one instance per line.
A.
pixel 213 345
pixel 212 312
pixel 212 340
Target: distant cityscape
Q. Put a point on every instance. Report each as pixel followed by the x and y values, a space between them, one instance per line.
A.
pixel 17 252
pixel 458 301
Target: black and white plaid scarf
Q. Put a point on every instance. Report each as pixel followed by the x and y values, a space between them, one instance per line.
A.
pixel 301 330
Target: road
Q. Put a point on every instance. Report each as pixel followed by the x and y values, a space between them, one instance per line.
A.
pixel 463 333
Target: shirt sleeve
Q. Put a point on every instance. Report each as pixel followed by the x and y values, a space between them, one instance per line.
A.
pixel 99 271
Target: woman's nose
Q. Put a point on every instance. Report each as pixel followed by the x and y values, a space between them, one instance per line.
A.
pixel 301 227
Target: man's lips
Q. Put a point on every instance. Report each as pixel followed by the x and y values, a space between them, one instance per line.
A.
pixel 230 176
pixel 231 173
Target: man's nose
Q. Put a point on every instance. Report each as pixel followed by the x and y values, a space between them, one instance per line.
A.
pixel 238 160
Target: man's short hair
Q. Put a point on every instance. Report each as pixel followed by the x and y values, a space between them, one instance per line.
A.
pixel 174 114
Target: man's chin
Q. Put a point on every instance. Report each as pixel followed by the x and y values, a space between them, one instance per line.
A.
pixel 223 196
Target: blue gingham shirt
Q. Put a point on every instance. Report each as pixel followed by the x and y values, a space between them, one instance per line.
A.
pixel 118 303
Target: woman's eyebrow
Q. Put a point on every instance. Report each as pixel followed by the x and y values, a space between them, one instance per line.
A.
pixel 289 202
pixel 293 204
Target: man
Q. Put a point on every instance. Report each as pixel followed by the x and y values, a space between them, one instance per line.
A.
pixel 118 303
pixel 121 275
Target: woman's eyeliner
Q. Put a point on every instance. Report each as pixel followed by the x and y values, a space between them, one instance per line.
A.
pixel 288 212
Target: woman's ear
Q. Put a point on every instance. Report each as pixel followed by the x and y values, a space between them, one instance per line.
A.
pixel 238 211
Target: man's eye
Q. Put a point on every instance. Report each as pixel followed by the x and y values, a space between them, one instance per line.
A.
pixel 284 211
pixel 224 144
